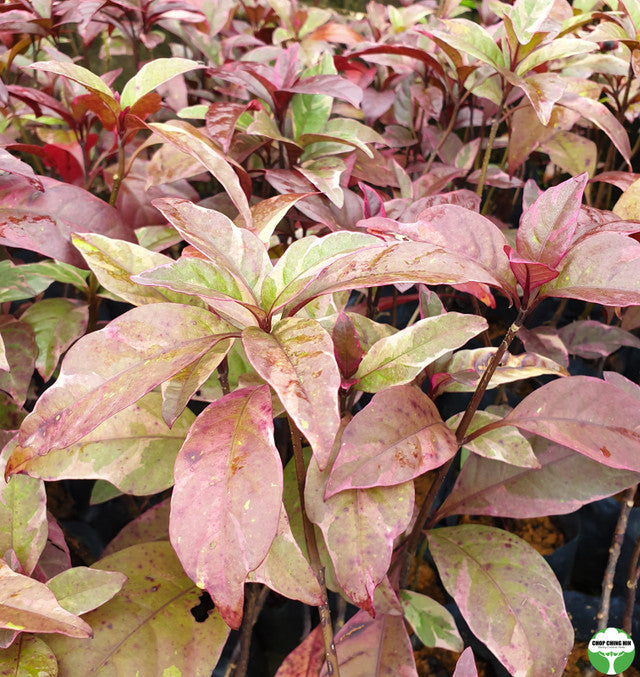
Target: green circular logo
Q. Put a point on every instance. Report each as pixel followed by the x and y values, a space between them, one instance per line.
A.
pixel 611 651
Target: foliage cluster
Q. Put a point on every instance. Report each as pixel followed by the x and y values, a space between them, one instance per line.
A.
pixel 324 228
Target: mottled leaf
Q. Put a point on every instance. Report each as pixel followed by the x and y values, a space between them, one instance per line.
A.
pixel 228 466
pixel 23 519
pixel 20 352
pixel 268 213
pixel 359 526
pixel 297 360
pixel 80 589
pixel 398 436
pixel 471 38
pixel 558 48
pixel 179 389
pixel 505 444
pixel 400 358
pixel 286 570
pixel 488 487
pixel 324 173
pixel 190 140
pixel 586 414
pixel 19 282
pixel 57 323
pixel 153 74
pixel 527 16
pixel 503 588
pixel 237 250
pixel 356 640
pixel 147 629
pixel 209 282
pixel 622 382
pixel 108 370
pixel 78 74
pixel 28 655
pixel 133 449
pixel 511 368
pixel 433 624
pixel 43 221
pixel 601 268
pixel 115 261
pixel 547 226
pixel 27 604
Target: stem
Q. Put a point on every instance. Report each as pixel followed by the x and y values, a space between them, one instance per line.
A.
pixel 487 153
pixel 314 556
pixel 256 597
pixel 117 179
pixel 632 585
pixel 614 554
pixel 223 375
pixel 442 471
pixel 94 303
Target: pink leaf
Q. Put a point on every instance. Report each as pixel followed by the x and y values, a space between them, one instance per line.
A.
pixel 503 588
pixel 43 221
pixel 466 666
pixel 359 527
pixel 297 360
pixel 489 487
pixel 108 370
pixel 398 436
pixel 547 226
pixel 26 604
pixel 230 467
pixel 601 268
pixel 377 647
pixel 586 414
pixel 591 339
pixel 306 659
pixel 20 352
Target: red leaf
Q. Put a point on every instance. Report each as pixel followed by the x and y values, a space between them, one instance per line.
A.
pixel 230 468
pixel 346 345
pixel 44 221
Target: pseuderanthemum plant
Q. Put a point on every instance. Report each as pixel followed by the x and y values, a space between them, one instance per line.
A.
pixel 248 281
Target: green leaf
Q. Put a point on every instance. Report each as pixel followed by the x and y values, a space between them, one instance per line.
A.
pixel 297 360
pixel 527 16
pixel 206 280
pixel 110 369
pixel 20 282
pixel 148 627
pixel 399 358
pixel 57 323
pixel 80 589
pixel 28 655
pixel 302 261
pixel 133 449
pixel 506 444
pixel 153 74
pixel 433 624
pixel 23 519
pixel 503 588
pixel 82 76
pixel 471 38
pixel 115 261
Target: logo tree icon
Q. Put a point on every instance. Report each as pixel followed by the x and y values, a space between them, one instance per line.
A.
pixel 607 646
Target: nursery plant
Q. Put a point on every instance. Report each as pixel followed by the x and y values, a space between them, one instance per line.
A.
pixel 303 291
